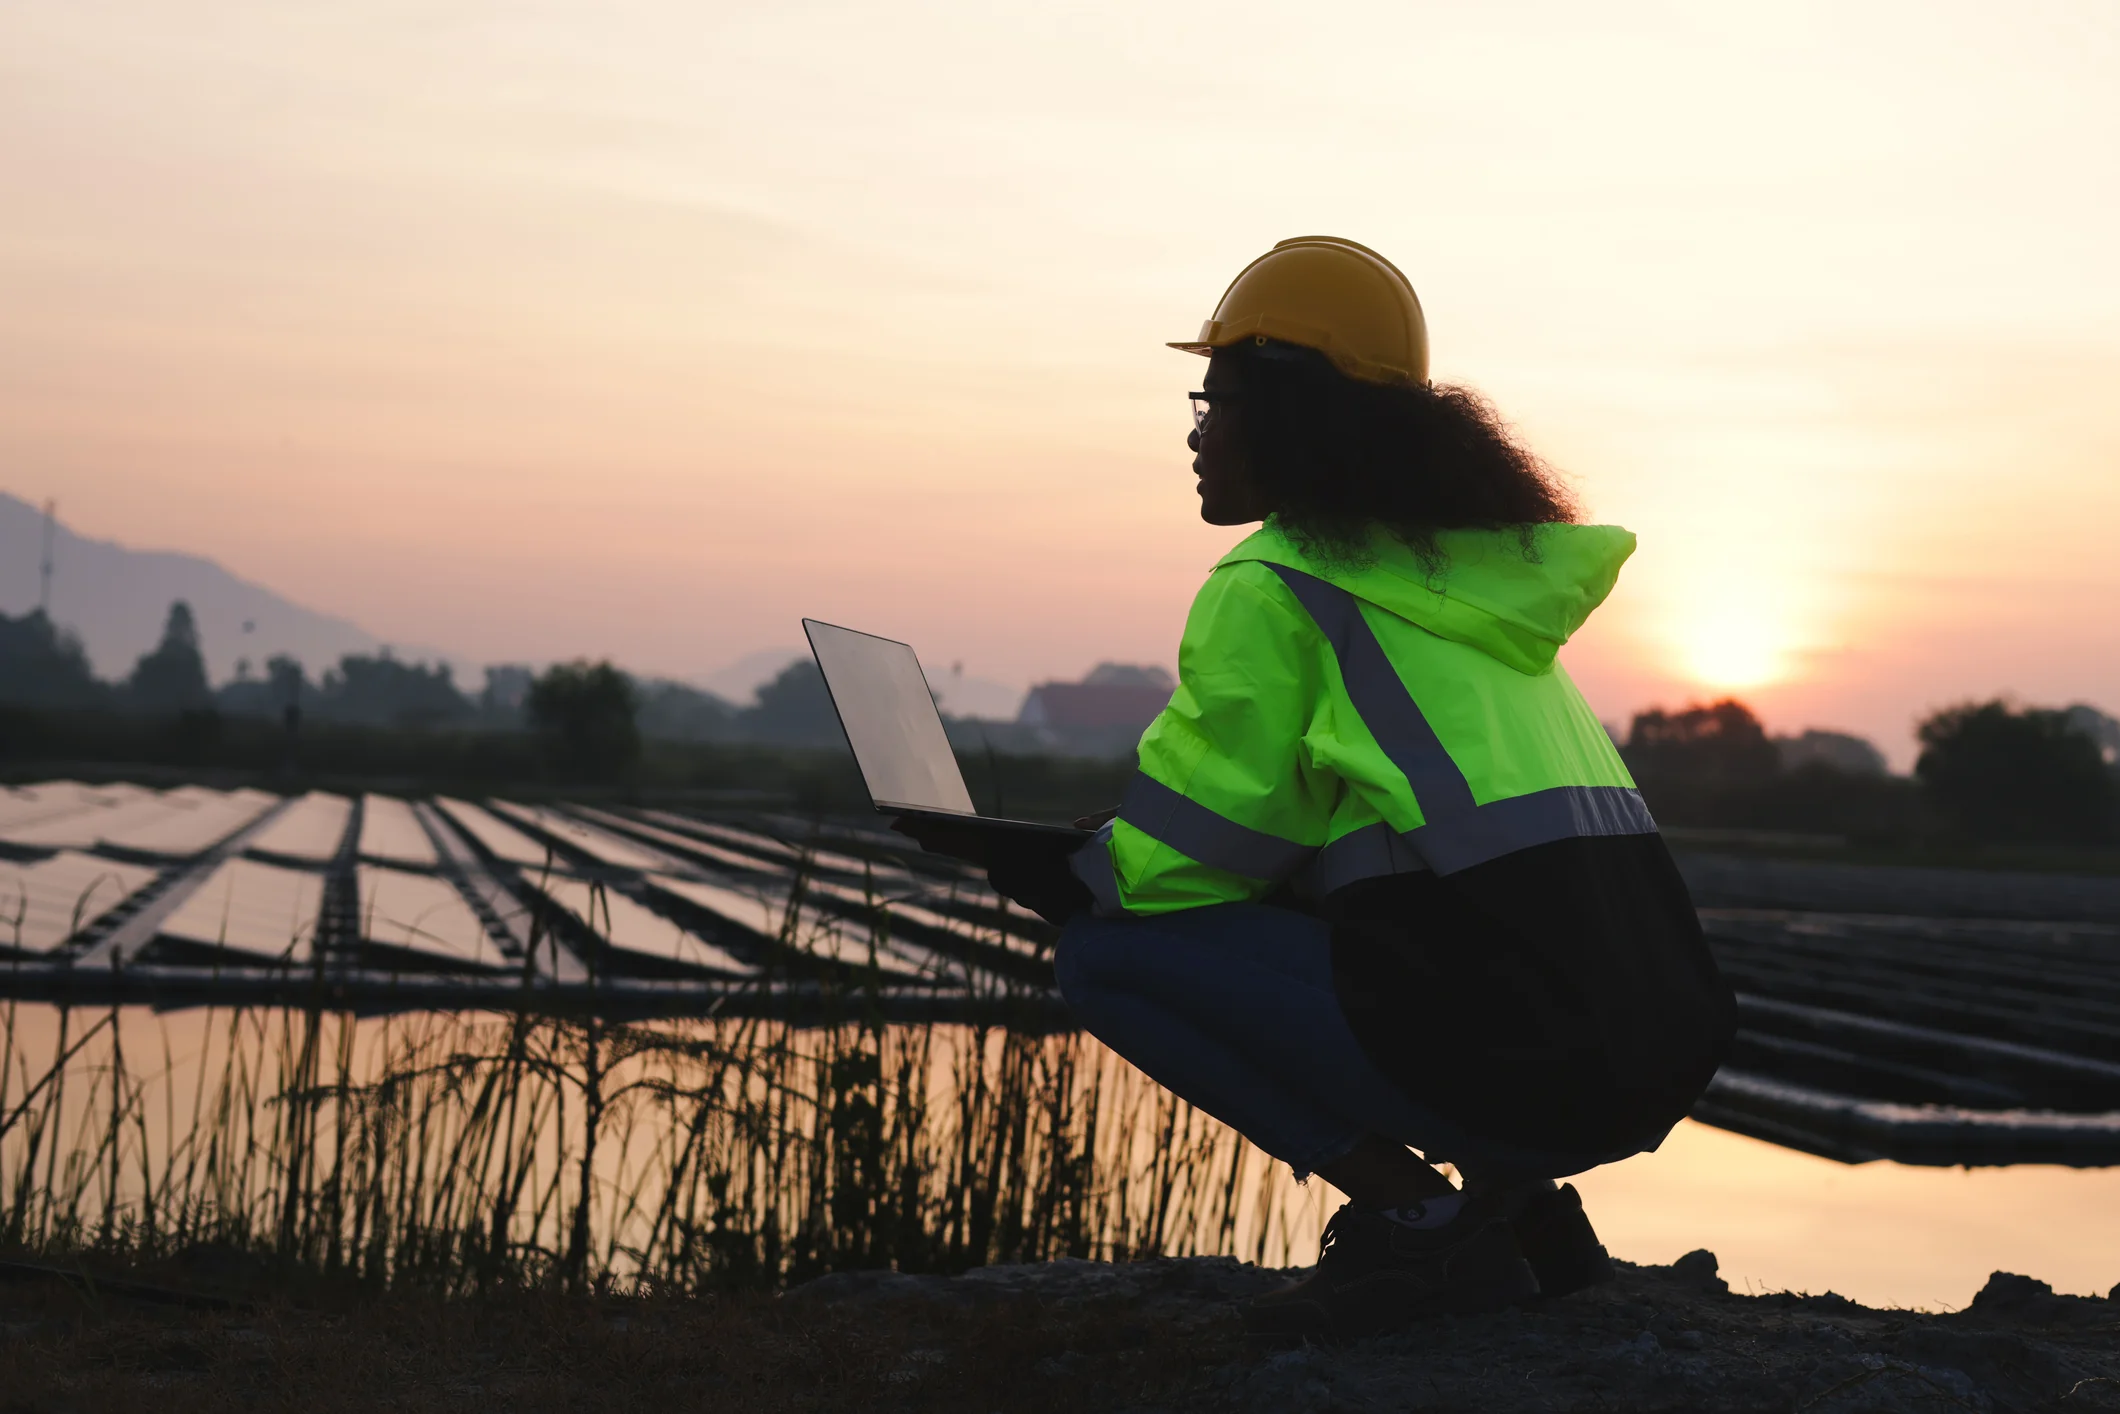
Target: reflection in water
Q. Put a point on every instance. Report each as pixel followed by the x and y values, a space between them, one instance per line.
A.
pixel 467 1149
pixel 1883 1234
pixel 754 1146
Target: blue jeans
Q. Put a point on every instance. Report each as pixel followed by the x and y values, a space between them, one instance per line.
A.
pixel 1231 1007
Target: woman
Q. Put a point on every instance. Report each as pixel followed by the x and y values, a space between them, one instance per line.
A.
pixel 1382 883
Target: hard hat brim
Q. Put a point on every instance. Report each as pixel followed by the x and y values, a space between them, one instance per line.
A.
pixel 1361 369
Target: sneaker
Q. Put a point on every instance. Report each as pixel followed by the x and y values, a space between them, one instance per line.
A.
pixel 1375 1274
pixel 1556 1238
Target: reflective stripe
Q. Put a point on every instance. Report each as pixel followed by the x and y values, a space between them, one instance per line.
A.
pixel 1092 864
pixel 1193 830
pixel 1505 826
pixel 1366 853
pixel 1380 696
pixel 1457 833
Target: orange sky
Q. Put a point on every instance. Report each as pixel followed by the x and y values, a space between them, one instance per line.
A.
pixel 643 328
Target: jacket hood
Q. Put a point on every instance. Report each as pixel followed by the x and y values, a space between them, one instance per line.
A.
pixel 1516 608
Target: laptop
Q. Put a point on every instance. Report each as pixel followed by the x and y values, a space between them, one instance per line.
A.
pixel 891 722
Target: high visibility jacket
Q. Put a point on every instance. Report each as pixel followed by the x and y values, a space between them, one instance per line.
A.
pixel 1333 724
pixel 1511 940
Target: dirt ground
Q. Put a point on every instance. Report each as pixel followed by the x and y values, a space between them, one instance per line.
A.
pixel 1072 1336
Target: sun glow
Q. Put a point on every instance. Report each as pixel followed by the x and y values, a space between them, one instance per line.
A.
pixel 1732 636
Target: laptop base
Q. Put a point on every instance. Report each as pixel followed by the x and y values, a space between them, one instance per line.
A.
pixel 981 839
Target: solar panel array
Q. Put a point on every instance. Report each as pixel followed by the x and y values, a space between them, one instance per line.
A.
pixel 1935 1039
pixel 385 899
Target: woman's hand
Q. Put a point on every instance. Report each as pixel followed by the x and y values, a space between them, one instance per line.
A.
pixel 1036 876
pixel 1098 820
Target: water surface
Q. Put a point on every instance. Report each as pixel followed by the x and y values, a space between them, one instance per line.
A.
pixel 1880 1233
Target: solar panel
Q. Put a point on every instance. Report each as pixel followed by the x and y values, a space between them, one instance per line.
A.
pixel 82 824
pixel 813 932
pixel 45 903
pixel 421 914
pixel 631 926
pixel 199 819
pixel 688 847
pixel 780 851
pixel 309 830
pixel 742 909
pixel 259 911
pixel 744 840
pixel 502 841
pixel 25 805
pixel 599 845
pixel 917 914
pixel 391 834
pixel 837 863
pixel 897 908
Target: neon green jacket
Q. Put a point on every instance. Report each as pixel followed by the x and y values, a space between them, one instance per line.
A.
pixel 1334 724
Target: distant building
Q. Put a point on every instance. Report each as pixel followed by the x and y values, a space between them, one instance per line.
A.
pixel 1838 750
pixel 1102 715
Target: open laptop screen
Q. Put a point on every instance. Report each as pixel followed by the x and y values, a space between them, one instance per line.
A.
pixel 890 720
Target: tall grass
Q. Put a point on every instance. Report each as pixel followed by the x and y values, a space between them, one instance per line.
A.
pixel 471 1150
pixel 467 1151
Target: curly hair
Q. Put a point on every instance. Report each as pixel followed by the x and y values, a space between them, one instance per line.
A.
pixel 1335 458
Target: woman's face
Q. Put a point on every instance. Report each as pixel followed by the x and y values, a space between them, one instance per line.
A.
pixel 1226 493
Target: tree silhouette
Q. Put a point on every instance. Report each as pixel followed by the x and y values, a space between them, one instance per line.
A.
pixel 172 678
pixel 1715 746
pixel 379 690
pixel 585 713
pixel 42 665
pixel 794 709
pixel 2031 776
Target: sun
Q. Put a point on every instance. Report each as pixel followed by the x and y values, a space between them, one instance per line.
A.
pixel 1731 636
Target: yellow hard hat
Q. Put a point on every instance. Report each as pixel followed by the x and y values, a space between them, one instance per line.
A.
pixel 1342 299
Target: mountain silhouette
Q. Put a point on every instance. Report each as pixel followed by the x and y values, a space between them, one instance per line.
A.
pixel 117 598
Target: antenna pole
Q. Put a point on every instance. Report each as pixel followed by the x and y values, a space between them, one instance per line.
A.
pixel 44 587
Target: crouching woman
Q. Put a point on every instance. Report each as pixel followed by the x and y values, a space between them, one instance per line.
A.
pixel 1383 895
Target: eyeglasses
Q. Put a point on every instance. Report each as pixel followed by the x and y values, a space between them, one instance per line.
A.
pixel 1203 404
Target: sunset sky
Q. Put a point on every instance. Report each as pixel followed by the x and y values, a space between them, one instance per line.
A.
pixel 643 328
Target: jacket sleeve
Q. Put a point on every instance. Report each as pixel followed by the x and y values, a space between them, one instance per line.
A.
pixel 1224 805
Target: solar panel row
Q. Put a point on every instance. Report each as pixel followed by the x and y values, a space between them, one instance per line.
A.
pixel 174 824
pixel 600 845
pixel 701 851
pixel 503 841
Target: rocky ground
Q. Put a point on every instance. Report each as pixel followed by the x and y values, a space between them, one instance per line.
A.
pixel 1074 1336
pixel 1660 1338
